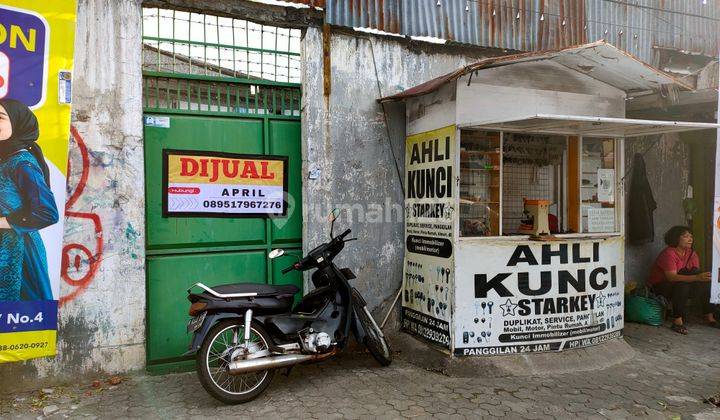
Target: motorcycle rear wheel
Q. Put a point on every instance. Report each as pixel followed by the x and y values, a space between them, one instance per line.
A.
pixel 213 357
pixel 374 339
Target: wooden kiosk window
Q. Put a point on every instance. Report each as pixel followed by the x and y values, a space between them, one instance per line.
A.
pixel 533 167
pixel 597 185
pixel 480 183
pixel 500 169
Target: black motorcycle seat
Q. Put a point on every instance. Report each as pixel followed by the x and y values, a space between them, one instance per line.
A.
pixel 264 290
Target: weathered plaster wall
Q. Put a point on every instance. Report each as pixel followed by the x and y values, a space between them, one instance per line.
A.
pixel 667 163
pixel 345 143
pixel 102 313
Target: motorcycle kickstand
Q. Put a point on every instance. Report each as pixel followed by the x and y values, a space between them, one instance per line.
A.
pixel 287 372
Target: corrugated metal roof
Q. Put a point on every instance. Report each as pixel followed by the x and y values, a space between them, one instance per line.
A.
pixel 593 126
pixel 510 24
pixel 599 60
pixel 536 25
pixel 639 28
pixel 383 15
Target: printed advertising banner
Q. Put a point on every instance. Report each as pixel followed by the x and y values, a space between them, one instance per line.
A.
pixel 715 274
pixel 36 60
pixel 216 184
pixel 531 297
pixel 429 208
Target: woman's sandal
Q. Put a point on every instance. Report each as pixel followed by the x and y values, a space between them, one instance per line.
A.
pixel 680 329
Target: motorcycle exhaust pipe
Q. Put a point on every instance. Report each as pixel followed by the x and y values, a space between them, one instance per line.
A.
pixel 240 367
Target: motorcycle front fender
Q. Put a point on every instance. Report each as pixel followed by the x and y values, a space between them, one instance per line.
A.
pixel 356 326
pixel 357 329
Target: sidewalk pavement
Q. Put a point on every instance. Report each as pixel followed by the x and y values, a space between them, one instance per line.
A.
pixel 669 378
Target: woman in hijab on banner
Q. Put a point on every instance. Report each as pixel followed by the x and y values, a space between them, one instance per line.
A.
pixel 26 206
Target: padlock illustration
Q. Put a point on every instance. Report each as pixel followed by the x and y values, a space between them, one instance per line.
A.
pixel 4 74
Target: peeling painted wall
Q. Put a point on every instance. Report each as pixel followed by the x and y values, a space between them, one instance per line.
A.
pixel 345 143
pixel 102 314
pixel 667 163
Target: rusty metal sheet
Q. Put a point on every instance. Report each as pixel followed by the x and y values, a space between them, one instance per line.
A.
pixel 599 60
pixel 383 15
pixel 645 24
pixel 537 25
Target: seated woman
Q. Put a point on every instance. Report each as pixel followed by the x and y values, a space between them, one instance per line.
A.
pixel 676 275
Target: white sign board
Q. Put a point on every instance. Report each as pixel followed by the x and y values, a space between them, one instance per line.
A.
pixel 522 296
pixel 601 220
pixel 606 185
pixel 216 184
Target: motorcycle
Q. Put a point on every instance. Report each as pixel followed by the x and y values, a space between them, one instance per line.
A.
pixel 244 332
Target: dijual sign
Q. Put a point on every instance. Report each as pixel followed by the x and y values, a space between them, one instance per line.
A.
pixel 36 59
pixel 216 184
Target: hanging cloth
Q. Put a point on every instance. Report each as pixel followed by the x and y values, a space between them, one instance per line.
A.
pixel 641 205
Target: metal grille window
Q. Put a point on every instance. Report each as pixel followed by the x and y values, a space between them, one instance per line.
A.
pixel 199 62
pixel 498 171
pixel 532 169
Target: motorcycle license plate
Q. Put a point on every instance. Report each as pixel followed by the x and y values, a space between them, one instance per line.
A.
pixel 196 322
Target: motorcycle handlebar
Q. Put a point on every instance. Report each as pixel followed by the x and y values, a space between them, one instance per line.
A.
pixel 301 264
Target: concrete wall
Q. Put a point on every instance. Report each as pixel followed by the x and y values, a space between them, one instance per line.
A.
pixel 668 163
pixel 102 322
pixel 345 142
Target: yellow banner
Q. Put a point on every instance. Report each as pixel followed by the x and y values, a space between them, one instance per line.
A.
pixel 18 346
pixel 36 62
pixel 184 169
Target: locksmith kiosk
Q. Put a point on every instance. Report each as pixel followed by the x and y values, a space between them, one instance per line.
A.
pixel 480 141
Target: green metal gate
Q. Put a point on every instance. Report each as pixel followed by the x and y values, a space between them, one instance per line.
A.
pixel 194 102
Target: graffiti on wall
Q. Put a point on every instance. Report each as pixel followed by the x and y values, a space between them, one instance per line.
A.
pixel 80 261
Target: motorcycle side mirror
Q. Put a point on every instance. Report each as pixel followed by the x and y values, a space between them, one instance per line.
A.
pixel 333 217
pixel 278 252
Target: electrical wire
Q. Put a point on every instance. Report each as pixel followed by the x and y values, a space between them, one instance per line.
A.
pixel 642 6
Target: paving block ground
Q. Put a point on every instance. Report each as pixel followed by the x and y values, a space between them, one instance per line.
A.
pixel 669 378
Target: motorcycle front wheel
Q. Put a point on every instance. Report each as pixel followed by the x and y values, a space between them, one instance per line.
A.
pixel 214 356
pixel 374 339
